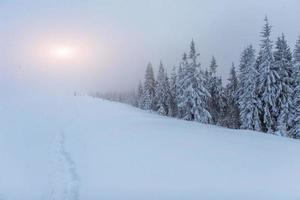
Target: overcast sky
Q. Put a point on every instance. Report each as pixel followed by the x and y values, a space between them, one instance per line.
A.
pixel 117 38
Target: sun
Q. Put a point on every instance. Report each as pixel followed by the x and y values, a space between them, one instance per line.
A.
pixel 63 52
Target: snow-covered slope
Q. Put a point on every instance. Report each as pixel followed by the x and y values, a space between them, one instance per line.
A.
pixel 90 149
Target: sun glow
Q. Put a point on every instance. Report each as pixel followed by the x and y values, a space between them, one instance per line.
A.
pixel 63 52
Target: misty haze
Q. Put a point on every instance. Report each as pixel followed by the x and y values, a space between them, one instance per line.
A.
pixel 143 100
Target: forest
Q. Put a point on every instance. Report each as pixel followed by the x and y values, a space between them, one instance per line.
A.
pixel 262 93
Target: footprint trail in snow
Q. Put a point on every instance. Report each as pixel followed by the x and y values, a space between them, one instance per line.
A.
pixel 65 181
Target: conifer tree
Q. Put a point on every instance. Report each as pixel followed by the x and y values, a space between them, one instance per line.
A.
pixel 247 91
pixel 149 89
pixel 268 81
pixel 161 91
pixel 173 109
pixel 232 115
pixel 295 122
pixel 283 63
pixel 213 66
pixel 140 93
pixel 194 94
pixel 214 86
pixel 168 95
pixel 179 85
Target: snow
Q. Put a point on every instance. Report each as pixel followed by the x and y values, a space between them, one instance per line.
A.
pixel 55 147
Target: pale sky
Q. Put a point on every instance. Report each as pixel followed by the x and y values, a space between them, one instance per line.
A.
pixel 115 39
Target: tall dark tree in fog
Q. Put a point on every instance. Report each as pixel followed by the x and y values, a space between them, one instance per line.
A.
pixel 173 109
pixel 247 95
pixel 194 96
pixel 231 91
pixel 268 81
pixel 213 66
pixel 179 85
pixel 162 91
pixel 214 86
pixel 283 63
pixel 140 95
pixel 295 131
pixel 149 89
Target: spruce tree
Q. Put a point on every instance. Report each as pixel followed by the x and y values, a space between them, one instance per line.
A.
pixel 173 109
pixel 194 95
pixel 232 115
pixel 179 85
pixel 247 91
pixel 214 87
pixel 223 106
pixel 213 66
pixel 295 122
pixel 149 89
pixel 139 96
pixel 268 81
pixel 161 93
pixel 283 63
pixel 168 95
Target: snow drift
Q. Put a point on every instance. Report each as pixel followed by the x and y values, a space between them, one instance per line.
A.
pixel 83 148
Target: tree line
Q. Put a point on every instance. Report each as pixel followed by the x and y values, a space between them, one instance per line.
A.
pixel 263 94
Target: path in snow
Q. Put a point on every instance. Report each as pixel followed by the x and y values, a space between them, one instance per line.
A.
pixel 65 181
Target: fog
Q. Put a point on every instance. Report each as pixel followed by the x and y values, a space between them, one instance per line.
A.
pixel 116 38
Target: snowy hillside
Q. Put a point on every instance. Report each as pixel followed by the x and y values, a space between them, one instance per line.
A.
pixel 89 149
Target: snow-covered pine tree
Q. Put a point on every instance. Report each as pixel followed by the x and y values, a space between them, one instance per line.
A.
pixel 194 95
pixel 214 87
pixel 295 130
pixel 231 91
pixel 268 82
pixel 149 89
pixel 213 66
pixel 206 78
pixel 247 93
pixel 139 96
pixel 161 93
pixel 283 63
pixel 179 83
pixel 223 106
pixel 173 109
pixel 168 95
